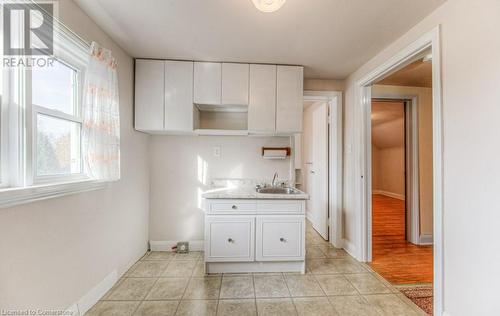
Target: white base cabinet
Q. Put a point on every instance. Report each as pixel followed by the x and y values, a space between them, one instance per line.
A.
pixel 254 236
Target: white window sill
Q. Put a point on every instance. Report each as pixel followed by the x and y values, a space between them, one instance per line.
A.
pixel 15 196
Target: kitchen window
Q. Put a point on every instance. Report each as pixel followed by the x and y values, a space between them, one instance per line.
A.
pixel 41 125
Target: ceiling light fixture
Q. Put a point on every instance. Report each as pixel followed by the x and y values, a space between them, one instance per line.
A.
pixel 268 5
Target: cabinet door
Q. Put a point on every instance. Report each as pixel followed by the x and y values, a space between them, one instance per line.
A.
pixel 280 238
pixel 235 84
pixel 207 83
pixel 149 94
pixel 289 99
pixel 262 99
pixel 229 238
pixel 178 96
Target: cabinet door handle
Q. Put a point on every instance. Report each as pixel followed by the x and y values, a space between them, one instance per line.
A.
pixel 234 207
pixel 282 239
pixel 230 240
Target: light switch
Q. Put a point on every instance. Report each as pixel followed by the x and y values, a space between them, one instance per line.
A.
pixel 216 150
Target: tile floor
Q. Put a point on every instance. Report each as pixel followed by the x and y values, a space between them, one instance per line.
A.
pixel 164 283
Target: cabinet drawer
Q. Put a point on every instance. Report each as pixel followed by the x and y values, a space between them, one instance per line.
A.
pixel 280 207
pixel 280 238
pixel 229 238
pixel 231 207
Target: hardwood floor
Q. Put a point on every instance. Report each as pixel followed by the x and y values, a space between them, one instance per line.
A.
pixel 397 260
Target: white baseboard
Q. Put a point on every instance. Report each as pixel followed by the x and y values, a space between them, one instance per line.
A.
pixel 72 310
pixel 426 239
pixel 166 245
pixel 349 248
pixel 389 194
pixel 95 294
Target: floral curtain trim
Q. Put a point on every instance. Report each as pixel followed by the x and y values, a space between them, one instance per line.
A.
pixel 101 117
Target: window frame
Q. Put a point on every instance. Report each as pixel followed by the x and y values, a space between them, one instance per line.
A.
pixel 75 118
pixel 18 183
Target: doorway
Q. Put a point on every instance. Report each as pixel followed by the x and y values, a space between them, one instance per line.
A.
pixel 320 168
pixel 428 42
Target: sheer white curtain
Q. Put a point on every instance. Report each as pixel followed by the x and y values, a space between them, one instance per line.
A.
pixel 101 117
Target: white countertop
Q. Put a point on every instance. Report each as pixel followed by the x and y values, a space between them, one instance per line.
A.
pixel 250 193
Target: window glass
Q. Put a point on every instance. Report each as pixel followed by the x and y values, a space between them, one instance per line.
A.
pixel 54 87
pixel 58 146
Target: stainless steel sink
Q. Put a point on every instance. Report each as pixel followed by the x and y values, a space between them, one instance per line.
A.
pixel 277 190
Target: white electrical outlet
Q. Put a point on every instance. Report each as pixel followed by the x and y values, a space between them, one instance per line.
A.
pixel 216 150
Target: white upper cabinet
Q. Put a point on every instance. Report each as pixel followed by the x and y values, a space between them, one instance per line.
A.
pixel 289 99
pixel 207 83
pixel 235 84
pixel 262 99
pixel 149 94
pixel 179 96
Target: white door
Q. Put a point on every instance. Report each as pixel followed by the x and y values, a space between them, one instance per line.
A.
pixel 319 170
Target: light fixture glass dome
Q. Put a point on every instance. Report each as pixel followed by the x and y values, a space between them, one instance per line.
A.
pixel 268 5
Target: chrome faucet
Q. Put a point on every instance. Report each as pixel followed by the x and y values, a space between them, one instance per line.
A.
pixel 275 177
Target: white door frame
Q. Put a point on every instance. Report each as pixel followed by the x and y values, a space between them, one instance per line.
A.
pixel 430 40
pixel 334 99
pixel 412 191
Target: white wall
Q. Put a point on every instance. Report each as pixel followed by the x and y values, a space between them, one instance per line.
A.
pixel 181 167
pixel 53 252
pixel 470 88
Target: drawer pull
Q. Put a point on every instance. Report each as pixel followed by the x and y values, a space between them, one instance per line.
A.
pixel 230 240
pixel 282 239
pixel 234 207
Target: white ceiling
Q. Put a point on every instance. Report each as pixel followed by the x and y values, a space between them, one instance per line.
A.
pixel 331 38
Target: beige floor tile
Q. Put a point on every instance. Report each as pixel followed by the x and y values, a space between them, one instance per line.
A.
pixel 275 307
pixel 352 306
pixel 159 255
pixel 335 253
pixel 409 302
pixel 199 269
pixel 389 305
pixel 314 252
pixel 197 308
pixel 132 289
pixel 270 285
pixel 131 269
pixel 168 289
pixel 237 287
pixel 322 266
pixel 157 308
pixel 336 284
pixel 348 266
pixel 108 293
pixel 366 283
pixel 203 288
pixel 108 308
pixel 303 285
pixel 313 306
pixel 179 269
pixel 149 269
pixel 237 308
pixel 192 255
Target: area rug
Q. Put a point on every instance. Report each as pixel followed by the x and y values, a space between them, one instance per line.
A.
pixel 421 295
